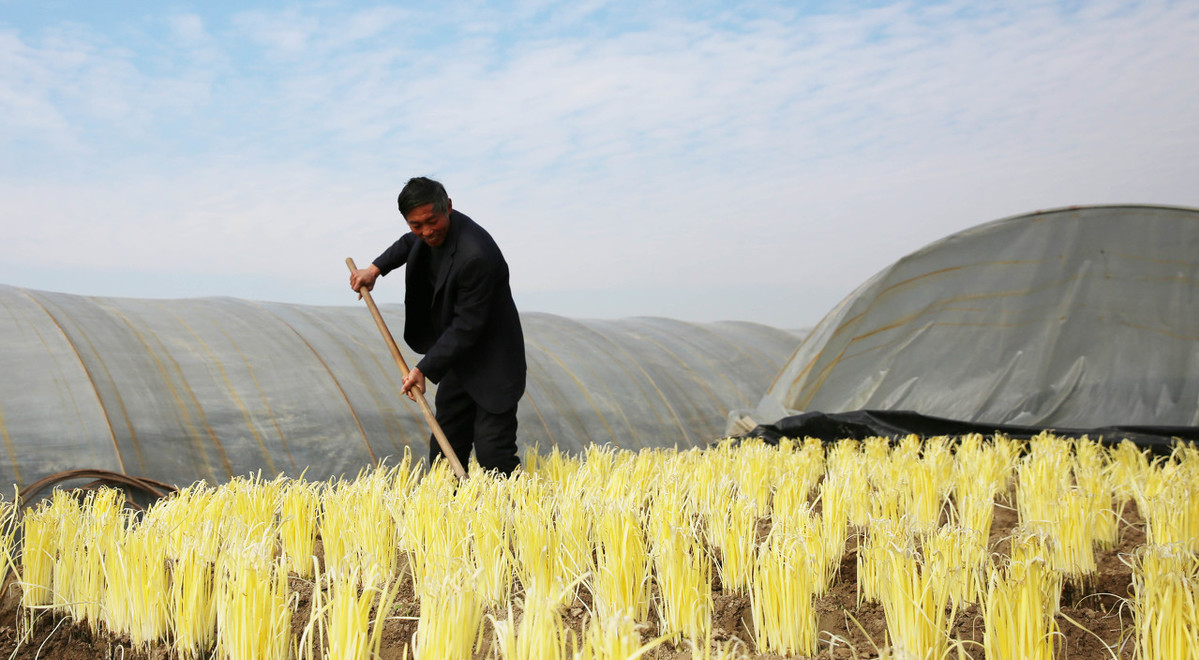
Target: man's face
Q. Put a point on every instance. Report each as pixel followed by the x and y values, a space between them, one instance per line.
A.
pixel 430 226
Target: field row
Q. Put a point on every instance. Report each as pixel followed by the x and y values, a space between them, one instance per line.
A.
pixel 614 554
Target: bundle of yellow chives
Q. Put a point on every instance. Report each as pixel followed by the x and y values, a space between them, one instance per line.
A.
pixel 1042 476
pixel 1169 500
pixel 921 495
pixel 348 629
pixel 756 467
pixel 982 473
pixel 833 527
pixel 299 513
pixel 104 523
pixel 555 465
pixel 711 483
pixel 573 521
pixel 1165 610
pixel 192 601
pixel 535 537
pixel 1128 469
pixel 622 576
pixel 955 561
pixel 1071 526
pixel 802 523
pixel 938 452
pixel 429 533
pixel 337 526
pixel 192 516
pixel 781 594
pixel 135 570
pixel 884 534
pixel 921 481
pixel 540 634
pixel 613 638
pixel 357 527
pixel 451 617
pixel 876 455
pixel 70 532
pixel 644 473
pixel 1018 623
pixel 1032 549
pixel 253 616
pixel 249 504
pixel 803 464
pixel 846 470
pixel 733 531
pixel 684 577
pixel 489 515
pixel 915 609
pixel 1092 475
pixel 38 551
pixel 891 494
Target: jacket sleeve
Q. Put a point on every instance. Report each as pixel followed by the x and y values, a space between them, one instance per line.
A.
pixel 396 255
pixel 476 289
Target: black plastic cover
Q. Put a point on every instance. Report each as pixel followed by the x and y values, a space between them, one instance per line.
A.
pixel 862 424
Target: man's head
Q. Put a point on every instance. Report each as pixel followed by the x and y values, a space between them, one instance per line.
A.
pixel 426 208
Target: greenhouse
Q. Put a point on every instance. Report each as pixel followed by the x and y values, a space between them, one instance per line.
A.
pixel 1076 318
pixel 180 390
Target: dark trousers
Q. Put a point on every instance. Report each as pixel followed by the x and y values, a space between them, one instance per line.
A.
pixel 467 424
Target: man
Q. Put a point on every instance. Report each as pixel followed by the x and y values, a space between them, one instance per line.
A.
pixel 459 313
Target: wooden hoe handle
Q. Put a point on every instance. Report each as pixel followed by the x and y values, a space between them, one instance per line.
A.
pixel 420 396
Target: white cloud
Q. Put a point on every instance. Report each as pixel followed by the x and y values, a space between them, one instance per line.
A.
pixel 678 152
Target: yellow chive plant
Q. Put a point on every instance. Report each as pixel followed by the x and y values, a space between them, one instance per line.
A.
pixel 622 576
pixel 490 531
pixel 1165 612
pixel 430 532
pixel 781 597
pixel 756 466
pixel 957 561
pixel 732 530
pixel 914 607
pixel 574 522
pixel 451 615
pixel 535 537
pixel 684 577
pixel 540 635
pixel 252 603
pixel 299 521
pixel 192 601
pixel 350 632
pixel 613 638
pixel 1018 621
pixel 1093 478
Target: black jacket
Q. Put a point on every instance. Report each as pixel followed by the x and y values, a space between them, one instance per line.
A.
pixel 462 318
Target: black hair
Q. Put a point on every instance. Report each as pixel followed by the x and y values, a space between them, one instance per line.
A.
pixel 420 191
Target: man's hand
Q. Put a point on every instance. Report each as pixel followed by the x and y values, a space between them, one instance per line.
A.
pixel 415 380
pixel 364 277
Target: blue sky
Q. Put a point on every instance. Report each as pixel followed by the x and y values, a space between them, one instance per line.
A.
pixel 751 161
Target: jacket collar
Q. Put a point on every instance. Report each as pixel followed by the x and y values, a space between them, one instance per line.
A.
pixel 451 247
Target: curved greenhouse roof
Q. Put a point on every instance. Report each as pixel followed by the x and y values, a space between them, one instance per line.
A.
pixel 1075 317
pixel 180 390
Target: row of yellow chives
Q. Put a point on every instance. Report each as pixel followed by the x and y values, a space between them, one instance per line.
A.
pixel 431 521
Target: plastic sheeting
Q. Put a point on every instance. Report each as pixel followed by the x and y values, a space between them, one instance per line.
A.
pixel 863 424
pixel 180 390
pixel 1076 317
